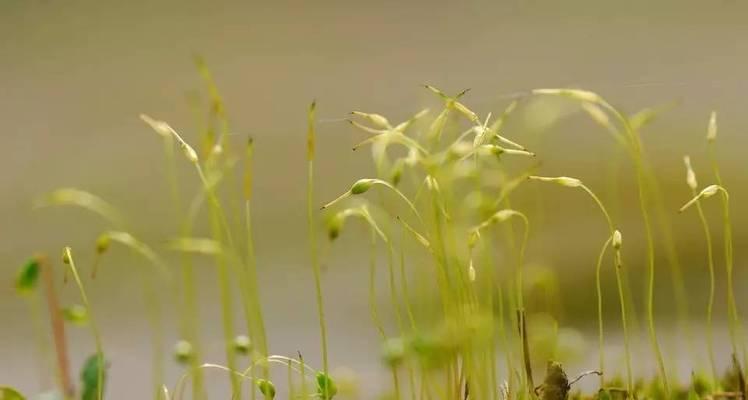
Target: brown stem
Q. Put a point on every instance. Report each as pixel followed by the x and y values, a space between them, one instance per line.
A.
pixel 58 327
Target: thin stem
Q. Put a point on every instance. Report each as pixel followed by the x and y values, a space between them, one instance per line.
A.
pixel 291 390
pixel 525 351
pixel 396 382
pixel 571 182
pixel 152 304
pixel 40 337
pixel 372 284
pixel 189 308
pixel 215 203
pixel 619 280
pixel 404 281
pixel 521 261
pixel 505 339
pixel 250 272
pixel 313 236
pixel 303 377
pixel 171 175
pixel 68 257
pixel 635 149
pixel 252 292
pixel 191 317
pixel 710 303
pixel 219 227
pixel 734 321
pixel 58 329
pixel 624 323
pixel 601 338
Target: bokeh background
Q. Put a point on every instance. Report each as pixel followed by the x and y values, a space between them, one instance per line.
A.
pixel 74 76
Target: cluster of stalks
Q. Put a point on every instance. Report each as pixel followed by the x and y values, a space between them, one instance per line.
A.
pixel 444 181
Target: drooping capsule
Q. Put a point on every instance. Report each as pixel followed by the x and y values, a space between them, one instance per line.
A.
pixel 75 314
pixel 362 186
pixel 334 225
pixel 242 345
pixel 393 351
pixel 266 387
pixel 183 352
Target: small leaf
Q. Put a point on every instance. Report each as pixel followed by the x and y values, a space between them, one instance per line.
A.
pixel 8 393
pixel 92 369
pixel 28 276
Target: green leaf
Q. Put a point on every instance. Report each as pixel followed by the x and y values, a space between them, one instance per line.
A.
pixel 90 372
pixel 28 276
pixel 326 388
pixel 8 393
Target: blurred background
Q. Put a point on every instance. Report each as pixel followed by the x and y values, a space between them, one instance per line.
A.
pixel 75 75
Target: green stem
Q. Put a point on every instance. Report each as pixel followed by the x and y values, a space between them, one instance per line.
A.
pixel 734 320
pixel 396 382
pixel 291 389
pixel 68 256
pixel 191 317
pixel 624 324
pixel 710 302
pixel 601 338
pixel 404 281
pixel 189 309
pixel 636 155
pixel 315 266
pixel 372 284
pixel 521 261
pixel 219 227
pixel 252 292
pixel 310 154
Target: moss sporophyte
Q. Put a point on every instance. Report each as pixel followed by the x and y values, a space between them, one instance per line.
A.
pixel 446 207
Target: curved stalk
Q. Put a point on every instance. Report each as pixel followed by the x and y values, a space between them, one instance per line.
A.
pixel 633 145
pixel 734 323
pixel 692 183
pixel 601 338
pixel 615 238
pixel 67 257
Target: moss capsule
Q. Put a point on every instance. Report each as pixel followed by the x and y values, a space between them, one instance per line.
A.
pixel 266 387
